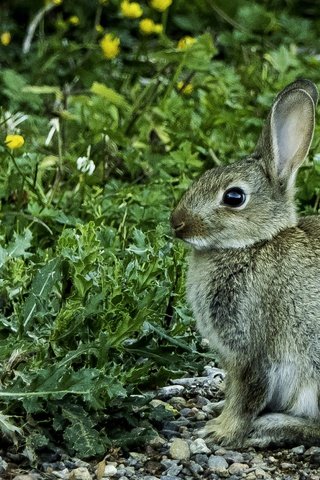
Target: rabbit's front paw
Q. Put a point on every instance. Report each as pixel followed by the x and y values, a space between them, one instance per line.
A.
pixel 227 432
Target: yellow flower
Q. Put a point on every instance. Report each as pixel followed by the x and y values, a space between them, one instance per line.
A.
pixel 110 45
pixel 14 141
pixel 148 27
pixel 160 5
pixel 99 28
pixel 74 20
pixel 5 38
pixel 186 42
pixel 186 89
pixel 158 28
pixel 131 9
pixel 57 2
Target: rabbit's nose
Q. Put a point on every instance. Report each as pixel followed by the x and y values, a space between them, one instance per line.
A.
pixel 177 222
pixel 178 227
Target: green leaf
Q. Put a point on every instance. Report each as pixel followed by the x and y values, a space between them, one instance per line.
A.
pixel 41 288
pixel 109 94
pixel 43 90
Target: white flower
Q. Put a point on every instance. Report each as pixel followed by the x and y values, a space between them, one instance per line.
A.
pixel 13 120
pixel 55 127
pixel 85 165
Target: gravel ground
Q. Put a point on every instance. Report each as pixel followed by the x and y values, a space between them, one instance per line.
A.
pixel 177 453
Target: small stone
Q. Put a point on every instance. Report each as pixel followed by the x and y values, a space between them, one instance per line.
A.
pixel 251 476
pixel 298 450
pixel 312 451
pixel 179 449
pixel 110 470
pixel 234 457
pixel 257 460
pixel 201 459
pixel 174 470
pixel 238 468
pixel 195 467
pixel 178 401
pixel 218 465
pixel 170 391
pixel 259 473
pixel 272 459
pixel 3 465
pixel 65 474
pixel 141 457
pixel 187 412
pixel 199 446
pixel 168 477
pixel 80 473
pixel 80 463
pixel 125 478
pixel 157 441
pixel 201 416
pixel 287 466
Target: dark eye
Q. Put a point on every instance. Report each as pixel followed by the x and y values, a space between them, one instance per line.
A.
pixel 234 197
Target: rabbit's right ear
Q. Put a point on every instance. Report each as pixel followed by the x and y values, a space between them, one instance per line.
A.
pixel 287 135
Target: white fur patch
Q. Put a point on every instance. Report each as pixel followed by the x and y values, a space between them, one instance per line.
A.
pixel 289 393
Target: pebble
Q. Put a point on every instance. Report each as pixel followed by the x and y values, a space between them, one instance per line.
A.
pixel 238 468
pixel 179 449
pixel 201 459
pixel 3 465
pixel 298 450
pixel 199 446
pixel 110 470
pixel 233 457
pixel 259 473
pixel 80 473
pixel 171 390
pixel 312 451
pixel 218 465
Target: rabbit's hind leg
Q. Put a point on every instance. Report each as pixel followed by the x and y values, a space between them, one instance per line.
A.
pixel 280 429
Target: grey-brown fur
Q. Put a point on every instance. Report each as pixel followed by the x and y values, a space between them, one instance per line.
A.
pixel 254 283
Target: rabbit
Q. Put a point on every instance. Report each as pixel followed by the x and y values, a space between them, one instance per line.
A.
pixel 253 282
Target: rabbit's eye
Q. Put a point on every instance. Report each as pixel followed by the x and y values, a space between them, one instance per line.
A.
pixel 234 197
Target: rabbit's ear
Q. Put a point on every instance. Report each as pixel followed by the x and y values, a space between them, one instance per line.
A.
pixel 286 138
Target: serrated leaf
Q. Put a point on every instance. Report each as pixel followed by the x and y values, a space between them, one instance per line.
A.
pixel 109 94
pixel 42 285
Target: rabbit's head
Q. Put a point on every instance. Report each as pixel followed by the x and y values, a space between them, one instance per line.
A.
pixel 252 200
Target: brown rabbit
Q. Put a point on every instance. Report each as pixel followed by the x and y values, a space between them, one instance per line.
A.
pixel 254 282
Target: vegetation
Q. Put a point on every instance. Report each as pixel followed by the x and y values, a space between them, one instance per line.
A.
pixel 108 111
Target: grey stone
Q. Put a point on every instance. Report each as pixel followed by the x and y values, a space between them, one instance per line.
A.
pixel 110 470
pixel 201 459
pixel 170 391
pixel 234 457
pixel 217 461
pixel 195 467
pixel 174 470
pixel 259 473
pixel 168 477
pixel 3 465
pixel 298 450
pixel 199 446
pixel 312 451
pixel 238 468
pixel 179 449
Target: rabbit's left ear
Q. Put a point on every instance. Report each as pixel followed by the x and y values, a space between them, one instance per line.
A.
pixel 287 136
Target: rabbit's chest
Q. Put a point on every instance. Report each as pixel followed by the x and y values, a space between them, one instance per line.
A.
pixel 218 299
